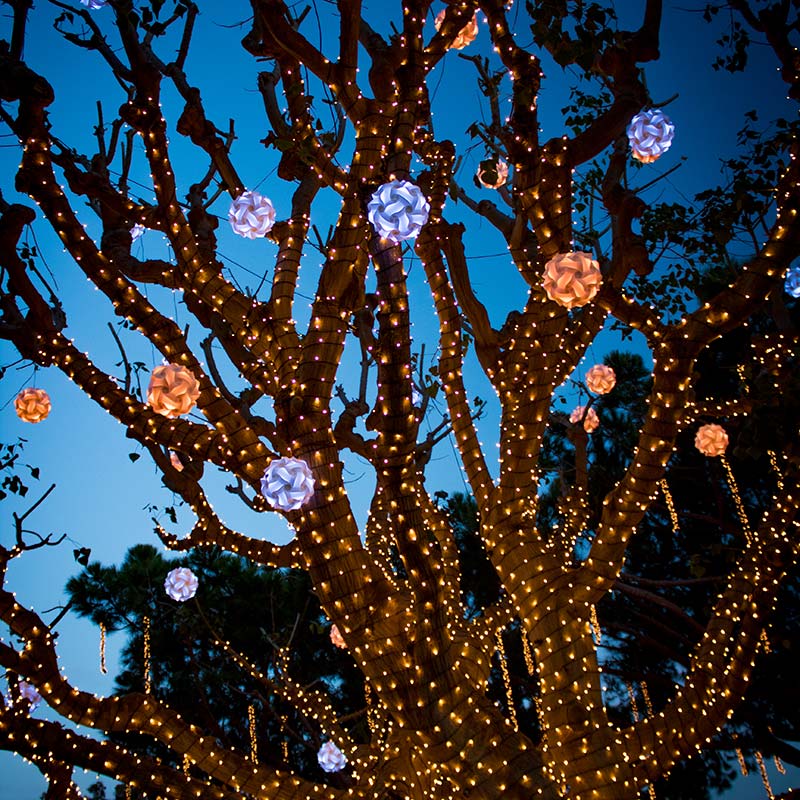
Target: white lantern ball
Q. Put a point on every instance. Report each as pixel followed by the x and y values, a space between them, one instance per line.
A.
pixel 181 584
pixel 251 215
pixel 600 379
pixel 137 231
pixel 28 692
pixel 792 282
pixel 650 134
pixel 331 758
pixel 93 5
pixel 572 279
pixel 398 210
pixel 711 440
pixel 287 483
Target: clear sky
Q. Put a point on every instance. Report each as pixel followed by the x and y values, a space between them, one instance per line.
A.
pixel 101 495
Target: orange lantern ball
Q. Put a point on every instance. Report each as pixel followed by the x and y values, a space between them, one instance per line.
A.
pixel 601 379
pixel 572 279
pixel 711 440
pixel 173 390
pixel 590 422
pixel 32 405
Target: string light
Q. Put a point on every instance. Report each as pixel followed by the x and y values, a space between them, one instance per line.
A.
pixel 251 719
pixel 103 668
pixel 146 654
pixel 673 514
pixel 762 768
pixel 595 622
pixel 501 649
pixel 740 510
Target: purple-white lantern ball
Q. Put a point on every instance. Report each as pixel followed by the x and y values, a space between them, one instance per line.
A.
pixel 28 692
pixel 287 483
pixel 650 134
pixel 792 282
pixel 181 584
pixel 93 5
pixel 398 210
pixel 251 215
pixel 331 758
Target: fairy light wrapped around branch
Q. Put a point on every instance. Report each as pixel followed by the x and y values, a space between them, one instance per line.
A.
pixel 331 758
pixel 251 215
pixel 398 210
pixel 572 279
pixel 650 134
pixel 601 379
pixel 492 173
pixel 173 390
pixel 32 405
pixel 466 35
pixel 181 584
pixel 590 422
pixel 287 484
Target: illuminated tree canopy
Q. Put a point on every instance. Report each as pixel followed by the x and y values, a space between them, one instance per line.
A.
pixel 263 393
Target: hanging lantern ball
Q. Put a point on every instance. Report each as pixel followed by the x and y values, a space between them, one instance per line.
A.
pixel 173 390
pixel 600 379
pixel 572 279
pixel 590 423
pixel 331 758
pixel 398 210
pixel 93 5
pixel 175 460
pixel 465 36
pixel 711 440
pixel 287 483
pixel 181 584
pixel 336 638
pixel 28 692
pixel 32 405
pixel 137 231
pixel 650 134
pixel 251 215
pixel 792 282
pixel 492 173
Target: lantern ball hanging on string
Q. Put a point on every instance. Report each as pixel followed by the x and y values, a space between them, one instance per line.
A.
pixel 251 215
pixel 492 173
pixel 792 282
pixel 600 379
pixel 32 405
pixel 28 692
pixel 572 279
pixel 93 5
pixel 465 36
pixel 711 440
pixel 173 390
pixel 287 483
pixel 137 231
pixel 331 758
pixel 398 210
pixel 650 134
pixel 337 639
pixel 590 423
pixel 181 584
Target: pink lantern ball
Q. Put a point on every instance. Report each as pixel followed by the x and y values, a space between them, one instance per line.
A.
pixel 398 210
pixel 181 584
pixel 600 379
pixel 650 134
pixel 572 279
pixel 175 460
pixel 711 440
pixel 492 174
pixel 336 638
pixel 173 390
pixel 251 215
pixel 590 423
pixel 32 405
pixel 28 692
pixel 331 758
pixel 287 483
pixel 465 36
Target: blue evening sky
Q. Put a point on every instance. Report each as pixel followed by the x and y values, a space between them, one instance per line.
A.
pixel 101 496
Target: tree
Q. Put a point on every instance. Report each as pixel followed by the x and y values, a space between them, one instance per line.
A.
pixel 269 389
